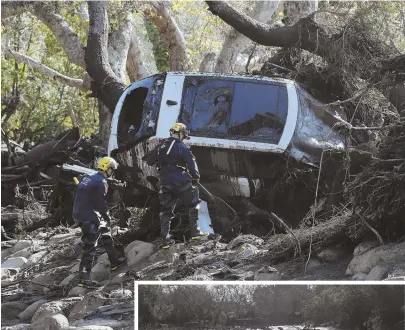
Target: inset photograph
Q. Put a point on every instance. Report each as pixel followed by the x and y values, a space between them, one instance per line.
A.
pixel 272 307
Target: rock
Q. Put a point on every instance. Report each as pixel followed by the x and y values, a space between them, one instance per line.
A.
pixel 331 254
pixel 58 322
pixel 103 259
pixel 78 291
pixel 27 314
pixel 397 271
pixel 100 272
pixel 138 250
pixel 121 294
pixel 18 327
pixel 267 274
pixel 22 253
pixel 10 310
pixel 77 242
pixel 5 282
pixel 34 259
pixel 359 277
pixel 14 263
pixel 378 273
pixel 121 278
pixel 222 319
pixel 169 255
pixel 5 273
pixel 41 318
pixel 46 279
pixel 89 304
pixel 242 239
pixel 75 268
pixel 313 263
pixel 22 244
pixel 387 254
pixel 363 247
pixel 67 280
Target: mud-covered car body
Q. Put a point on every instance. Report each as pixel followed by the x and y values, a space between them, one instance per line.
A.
pixel 239 125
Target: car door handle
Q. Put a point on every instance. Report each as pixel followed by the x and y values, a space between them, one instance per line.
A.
pixel 171 102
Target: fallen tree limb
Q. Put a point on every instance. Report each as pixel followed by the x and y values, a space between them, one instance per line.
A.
pixel 281 247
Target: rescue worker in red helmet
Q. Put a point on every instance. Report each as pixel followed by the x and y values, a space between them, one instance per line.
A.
pixel 90 210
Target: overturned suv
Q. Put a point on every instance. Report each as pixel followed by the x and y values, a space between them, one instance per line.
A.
pixel 245 132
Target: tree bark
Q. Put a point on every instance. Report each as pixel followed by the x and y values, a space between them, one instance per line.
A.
pixel 208 62
pixel 235 42
pixel 295 10
pixel 135 65
pixel 106 86
pixel 68 39
pixel 104 120
pixel 168 28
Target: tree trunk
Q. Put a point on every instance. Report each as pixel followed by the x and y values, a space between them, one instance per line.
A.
pixel 106 85
pixel 208 62
pixel 135 65
pixel 168 28
pixel 235 42
pixel 295 10
pixel 104 123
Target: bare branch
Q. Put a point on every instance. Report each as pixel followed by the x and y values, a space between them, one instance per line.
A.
pixel 72 82
pixel 63 33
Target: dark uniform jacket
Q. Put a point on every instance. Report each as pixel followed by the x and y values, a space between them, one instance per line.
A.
pixel 175 162
pixel 90 201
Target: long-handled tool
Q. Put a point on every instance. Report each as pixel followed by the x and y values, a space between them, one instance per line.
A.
pixel 219 203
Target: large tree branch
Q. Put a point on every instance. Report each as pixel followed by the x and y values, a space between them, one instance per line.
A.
pixel 63 33
pixel 305 34
pixel 171 33
pixel 106 85
pixel 72 82
pixel 235 42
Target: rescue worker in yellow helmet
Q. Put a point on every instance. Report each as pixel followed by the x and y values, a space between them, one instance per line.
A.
pixel 90 210
pixel 178 171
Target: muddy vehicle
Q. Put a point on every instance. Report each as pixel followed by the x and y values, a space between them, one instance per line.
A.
pixel 239 126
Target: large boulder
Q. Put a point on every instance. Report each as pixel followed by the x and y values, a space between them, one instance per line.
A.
pixel 100 272
pixel 387 254
pixel 244 239
pixel 41 319
pixel 28 313
pixel 10 310
pixel 15 263
pixel 35 258
pixel 58 322
pixel 267 274
pixel 378 273
pixel 89 304
pixel 138 250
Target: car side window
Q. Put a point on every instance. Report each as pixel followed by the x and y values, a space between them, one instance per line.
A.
pixel 207 105
pixel 234 109
pixel 259 112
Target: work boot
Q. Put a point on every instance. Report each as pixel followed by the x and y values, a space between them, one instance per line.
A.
pixel 205 236
pixel 168 242
pixel 120 262
pixel 87 284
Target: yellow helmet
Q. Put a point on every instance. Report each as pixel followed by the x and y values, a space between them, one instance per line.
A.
pixel 180 128
pixel 107 162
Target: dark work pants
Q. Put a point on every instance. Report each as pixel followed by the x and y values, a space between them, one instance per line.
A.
pixel 189 196
pixel 91 235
